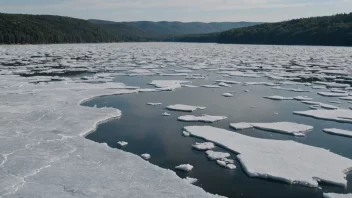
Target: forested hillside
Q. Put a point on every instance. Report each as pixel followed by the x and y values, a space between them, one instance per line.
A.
pixel 21 29
pixel 328 30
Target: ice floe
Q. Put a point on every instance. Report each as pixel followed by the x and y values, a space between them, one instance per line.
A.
pixel 202 118
pixel 122 143
pixel 280 127
pixel 146 156
pixel 211 86
pixel 186 108
pixel 339 115
pixel 334 195
pixel 184 167
pixel 168 85
pixel 227 94
pixel 278 98
pixel 332 94
pixel 203 146
pixel 190 180
pixel 214 155
pixel 154 103
pixel 165 114
pixel 340 132
pixel 285 161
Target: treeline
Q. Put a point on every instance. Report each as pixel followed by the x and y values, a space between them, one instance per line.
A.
pixel 328 30
pixel 40 29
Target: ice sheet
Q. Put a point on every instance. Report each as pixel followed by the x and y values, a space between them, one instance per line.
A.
pixel 285 161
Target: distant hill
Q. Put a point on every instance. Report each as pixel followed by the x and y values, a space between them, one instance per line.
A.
pixel 178 28
pixel 38 29
pixel 333 30
pixel 327 30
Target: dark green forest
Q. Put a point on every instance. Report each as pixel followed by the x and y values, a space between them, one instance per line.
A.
pixel 333 30
pixel 328 30
pixel 38 29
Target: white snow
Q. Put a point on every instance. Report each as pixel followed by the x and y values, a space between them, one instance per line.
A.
pixel 214 155
pixel 227 94
pixel 339 132
pixel 346 98
pixel 302 98
pixel 334 195
pixel 211 86
pixel 202 118
pixel 228 82
pixel 231 166
pixel 168 85
pixel 221 163
pixel 165 114
pixel 122 143
pixel 204 146
pixel 186 108
pixel 190 180
pixel 185 133
pixel 146 156
pixel 241 125
pixel 222 84
pixel 184 167
pixel 154 103
pixel 280 127
pixel 285 161
pixel 278 98
pixel 339 115
pixel 332 94
pixel 49 156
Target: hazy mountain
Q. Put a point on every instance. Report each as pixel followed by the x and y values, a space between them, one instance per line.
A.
pixel 178 28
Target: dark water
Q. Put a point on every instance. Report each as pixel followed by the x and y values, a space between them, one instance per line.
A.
pixel 146 131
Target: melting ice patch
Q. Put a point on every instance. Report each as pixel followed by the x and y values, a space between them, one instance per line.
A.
pixel 184 167
pixel 285 161
pixel 340 132
pixel 203 118
pixel 186 108
pixel 339 115
pixel 203 146
pixel 334 195
pixel 214 155
pixel 168 85
pixel 280 127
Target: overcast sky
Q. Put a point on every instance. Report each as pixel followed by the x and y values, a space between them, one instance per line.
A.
pixel 180 10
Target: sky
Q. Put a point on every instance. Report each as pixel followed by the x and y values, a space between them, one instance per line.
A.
pixel 180 10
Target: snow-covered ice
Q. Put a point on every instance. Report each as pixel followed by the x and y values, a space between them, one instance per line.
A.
pixel 285 161
pixel 280 127
pixel 339 115
pixel 203 146
pixel 50 157
pixel 214 155
pixel 122 143
pixel 190 180
pixel 168 85
pixel 278 98
pixel 227 94
pixel 231 166
pixel 202 118
pixel 334 195
pixel 340 132
pixel 165 114
pixel 185 133
pixel 221 163
pixel 154 103
pixel 211 86
pixel 333 94
pixel 184 167
pixel 186 108
pixel 146 156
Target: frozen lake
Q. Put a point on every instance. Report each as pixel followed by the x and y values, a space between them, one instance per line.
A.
pixel 41 87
